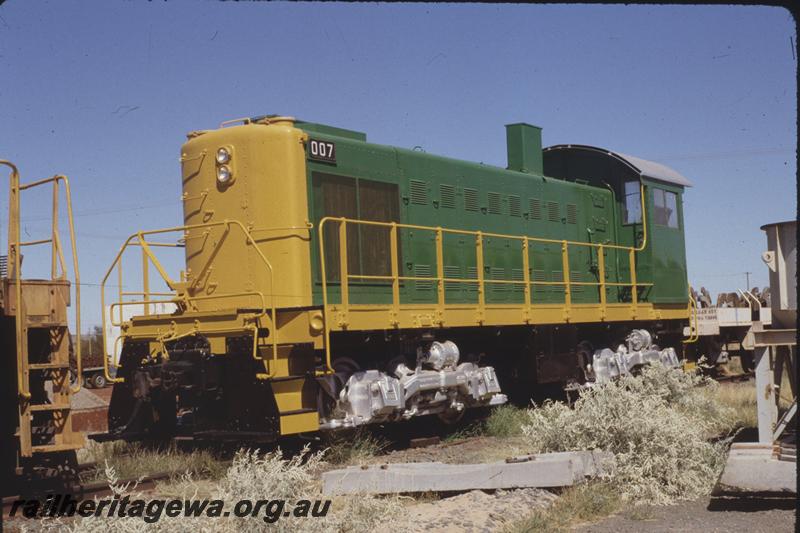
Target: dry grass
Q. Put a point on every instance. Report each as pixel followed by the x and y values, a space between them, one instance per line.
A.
pixel 131 461
pixel 740 399
pixel 578 504
pixel 254 477
pixel 354 447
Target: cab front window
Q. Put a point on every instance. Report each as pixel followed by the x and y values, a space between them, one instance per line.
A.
pixel 632 208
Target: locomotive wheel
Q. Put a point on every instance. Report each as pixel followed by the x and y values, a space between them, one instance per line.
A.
pixel 451 417
pixel 346 366
pixel 585 353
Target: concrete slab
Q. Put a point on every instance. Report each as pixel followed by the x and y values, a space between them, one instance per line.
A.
pixel 755 468
pixel 541 470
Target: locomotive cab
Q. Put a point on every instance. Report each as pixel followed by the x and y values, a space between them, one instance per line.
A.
pixel 662 260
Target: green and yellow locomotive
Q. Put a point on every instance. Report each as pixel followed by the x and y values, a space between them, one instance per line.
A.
pixel 330 282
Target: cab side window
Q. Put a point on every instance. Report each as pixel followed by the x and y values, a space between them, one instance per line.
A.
pixel 665 208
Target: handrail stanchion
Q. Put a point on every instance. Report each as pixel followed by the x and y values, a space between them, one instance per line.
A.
pixel 481 285
pixel 601 273
pixel 395 273
pixel 526 276
pixel 146 281
pixel 325 322
pixel 694 330
pixel 344 274
pixel 70 218
pixel 565 268
pixel 119 288
pixel 440 272
pixel 14 266
pixel 54 232
pixel 634 285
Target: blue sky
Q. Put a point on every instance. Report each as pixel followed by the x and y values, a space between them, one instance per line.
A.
pixel 105 92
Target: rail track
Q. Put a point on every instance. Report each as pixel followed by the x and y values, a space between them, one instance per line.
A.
pixel 735 378
pixel 86 491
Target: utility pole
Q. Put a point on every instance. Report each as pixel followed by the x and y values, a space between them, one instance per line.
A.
pixel 748 279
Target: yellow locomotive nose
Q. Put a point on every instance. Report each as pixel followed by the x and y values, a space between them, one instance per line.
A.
pixel 252 173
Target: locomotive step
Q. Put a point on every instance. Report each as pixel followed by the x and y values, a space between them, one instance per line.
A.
pixel 298 412
pixel 55 448
pixel 291 377
pixel 47 366
pixel 41 324
pixel 49 407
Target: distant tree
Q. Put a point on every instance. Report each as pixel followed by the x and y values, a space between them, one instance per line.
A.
pixel 92 349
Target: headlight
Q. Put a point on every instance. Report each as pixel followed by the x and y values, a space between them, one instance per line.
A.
pixel 223 156
pixel 224 175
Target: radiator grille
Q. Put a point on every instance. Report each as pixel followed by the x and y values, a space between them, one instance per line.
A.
pixel 452 272
pixel 552 212
pixel 447 196
pixel 518 275
pixel 471 199
pixel 494 203
pixel 419 192
pixel 498 273
pixel 536 208
pixel 423 271
pixel 572 214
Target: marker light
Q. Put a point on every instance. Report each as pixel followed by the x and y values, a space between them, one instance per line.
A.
pixel 223 156
pixel 224 175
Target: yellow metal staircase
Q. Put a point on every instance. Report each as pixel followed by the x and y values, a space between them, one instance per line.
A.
pixel 41 334
pixel 45 416
pixel 294 389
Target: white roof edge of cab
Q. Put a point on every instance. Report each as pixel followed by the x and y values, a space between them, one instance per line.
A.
pixel 645 168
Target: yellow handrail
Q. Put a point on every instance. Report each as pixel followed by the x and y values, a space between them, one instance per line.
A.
pixel 181 289
pixel 14 245
pixel 642 246
pixel 441 279
pixel 694 331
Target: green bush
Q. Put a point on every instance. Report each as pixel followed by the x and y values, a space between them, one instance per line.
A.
pixel 505 421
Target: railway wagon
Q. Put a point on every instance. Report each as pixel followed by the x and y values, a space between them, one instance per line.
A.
pixel 331 282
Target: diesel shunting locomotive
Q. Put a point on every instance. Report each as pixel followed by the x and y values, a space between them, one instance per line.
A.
pixel 330 282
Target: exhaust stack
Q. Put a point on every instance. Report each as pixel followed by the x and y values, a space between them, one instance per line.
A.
pixel 524 143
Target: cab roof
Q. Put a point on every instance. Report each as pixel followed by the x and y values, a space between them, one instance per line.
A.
pixel 643 167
